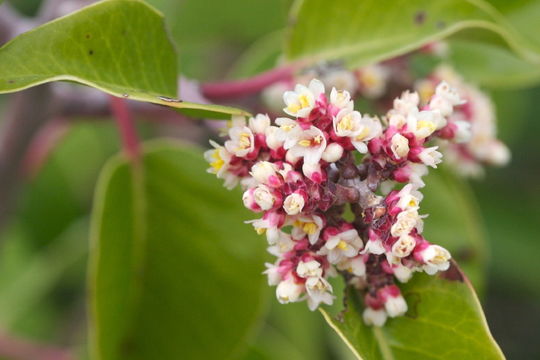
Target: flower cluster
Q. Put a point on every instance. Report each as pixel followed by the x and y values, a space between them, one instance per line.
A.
pixel 470 132
pixel 302 172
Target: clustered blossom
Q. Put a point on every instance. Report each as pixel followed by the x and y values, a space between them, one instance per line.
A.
pixel 301 173
pixel 469 133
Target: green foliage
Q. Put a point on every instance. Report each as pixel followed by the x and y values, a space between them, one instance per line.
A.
pixel 44 245
pixel 210 33
pixel 444 321
pixel 455 223
pixel 118 46
pixel 364 32
pixel 171 257
pixel 492 66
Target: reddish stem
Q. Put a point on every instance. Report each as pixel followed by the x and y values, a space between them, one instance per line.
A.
pixel 245 87
pixel 126 127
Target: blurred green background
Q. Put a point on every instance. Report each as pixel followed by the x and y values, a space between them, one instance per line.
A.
pixel 44 242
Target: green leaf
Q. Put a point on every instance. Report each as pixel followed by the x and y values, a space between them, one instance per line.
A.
pixel 492 66
pixel 444 321
pixel 175 274
pixel 212 33
pixel 40 274
pixel 454 222
pixel 370 30
pixel 118 46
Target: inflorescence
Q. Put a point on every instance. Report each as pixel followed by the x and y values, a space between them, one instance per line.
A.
pixel 305 172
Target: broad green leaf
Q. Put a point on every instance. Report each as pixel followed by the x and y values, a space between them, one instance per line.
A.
pixel 454 222
pixel 370 30
pixel 523 15
pixel 444 321
pixel 492 66
pixel 175 273
pixel 118 46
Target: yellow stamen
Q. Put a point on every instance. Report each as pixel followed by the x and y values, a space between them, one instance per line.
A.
pixel 342 245
pixel 304 143
pixel 363 134
pixel 426 124
pixel 345 124
pixel 303 100
pixel 309 228
pixel 260 231
pixel 218 163
pixel 244 141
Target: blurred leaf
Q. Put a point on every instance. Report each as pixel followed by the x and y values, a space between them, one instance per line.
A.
pixel 370 31
pixel 444 321
pixel 30 285
pixel 492 66
pixel 523 15
pixel 260 56
pixel 118 46
pixel 210 34
pixel 454 222
pixel 171 257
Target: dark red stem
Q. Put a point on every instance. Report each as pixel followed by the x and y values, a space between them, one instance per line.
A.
pixel 126 126
pixel 245 87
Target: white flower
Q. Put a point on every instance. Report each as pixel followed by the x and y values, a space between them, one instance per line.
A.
pixel 272 96
pixel 307 225
pixel 313 172
pixel 273 274
pixel 373 246
pixel 341 79
pixel 302 100
pixel 430 156
pixel 341 99
pixel 409 198
pixel 402 273
pixel 319 291
pixel 350 123
pixel 424 123
pixel 310 145
pixel 241 142
pixel 289 291
pixel 399 145
pixel 308 269
pixel 497 154
pixel 405 222
pixel 395 306
pixel 289 132
pixel 282 245
pixel 345 244
pixel 219 159
pixel 403 246
pixel 405 104
pixel 263 196
pixel 463 131
pixel 374 317
pixel 265 172
pixel 268 225
pixel 332 153
pixel 294 203
pixel 373 80
pixel 355 266
pixel 445 99
pixel 273 138
pixel 259 123
pixel 435 258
